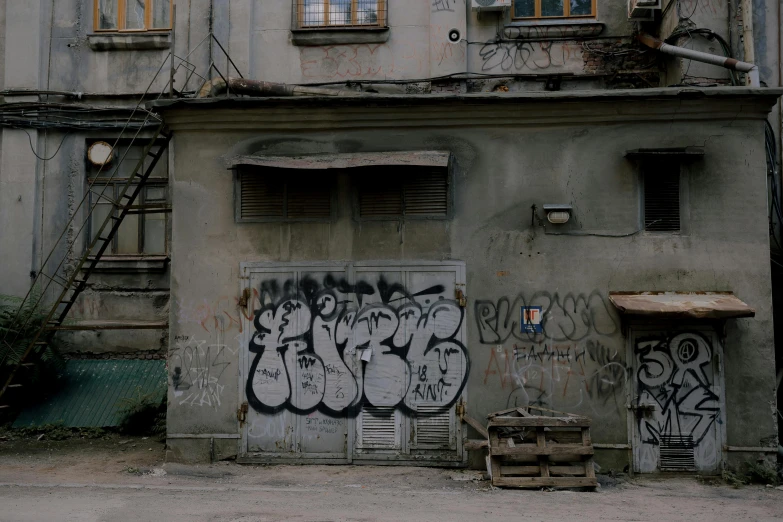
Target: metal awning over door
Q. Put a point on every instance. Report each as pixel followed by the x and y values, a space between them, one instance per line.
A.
pixel 682 305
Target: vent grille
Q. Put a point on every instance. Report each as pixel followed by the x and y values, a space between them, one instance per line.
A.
pixel 676 453
pixel 379 427
pixel 434 429
pixel 415 192
pixel 279 194
pixel 662 198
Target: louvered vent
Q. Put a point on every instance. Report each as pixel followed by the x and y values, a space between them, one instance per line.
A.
pixel 276 194
pixel 261 196
pixel 387 192
pixel 433 426
pixel 662 198
pixel 676 453
pixel 378 427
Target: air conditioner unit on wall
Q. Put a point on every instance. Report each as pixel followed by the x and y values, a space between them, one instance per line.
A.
pixel 643 10
pixel 487 5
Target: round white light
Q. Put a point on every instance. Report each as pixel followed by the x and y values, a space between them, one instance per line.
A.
pixel 558 217
pixel 100 153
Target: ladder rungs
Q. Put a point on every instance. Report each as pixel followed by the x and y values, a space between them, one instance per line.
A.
pixel 4 406
pixel 27 365
pixel 41 343
pixel 14 385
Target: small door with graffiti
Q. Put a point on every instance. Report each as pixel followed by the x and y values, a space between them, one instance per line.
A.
pixel 356 361
pixel 677 404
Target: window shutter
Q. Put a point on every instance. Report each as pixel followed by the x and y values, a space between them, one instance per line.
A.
pixel 427 195
pixel 391 193
pixel 261 196
pixel 662 198
pixel 309 198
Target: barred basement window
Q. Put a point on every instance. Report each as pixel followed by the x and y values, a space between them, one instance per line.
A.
pixel 265 194
pixel 313 14
pixel 394 192
pixel 662 197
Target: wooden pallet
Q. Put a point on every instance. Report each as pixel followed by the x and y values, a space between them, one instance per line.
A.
pixel 533 451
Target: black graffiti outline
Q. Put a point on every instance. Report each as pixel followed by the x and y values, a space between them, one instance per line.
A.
pixel 311 293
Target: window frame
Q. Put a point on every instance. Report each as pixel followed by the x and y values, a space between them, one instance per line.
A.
pixel 325 25
pixel 332 183
pixel 121 18
pixel 136 209
pixel 566 12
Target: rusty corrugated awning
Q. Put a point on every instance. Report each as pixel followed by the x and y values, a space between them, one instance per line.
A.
pixel 694 305
pixel 423 158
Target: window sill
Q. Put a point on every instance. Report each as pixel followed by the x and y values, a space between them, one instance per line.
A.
pixel 131 263
pixel 129 41
pixel 552 29
pixel 340 35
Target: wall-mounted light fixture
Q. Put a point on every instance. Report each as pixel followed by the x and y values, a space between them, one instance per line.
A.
pixel 558 214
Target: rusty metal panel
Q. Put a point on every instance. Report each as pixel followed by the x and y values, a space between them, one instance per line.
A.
pixel 694 305
pixel 345 161
pixel 94 393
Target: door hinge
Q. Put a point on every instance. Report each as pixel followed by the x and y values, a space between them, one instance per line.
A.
pixel 461 298
pixel 242 412
pixel 460 409
pixel 244 298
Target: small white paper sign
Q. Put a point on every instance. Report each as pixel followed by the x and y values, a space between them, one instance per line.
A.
pixel 367 354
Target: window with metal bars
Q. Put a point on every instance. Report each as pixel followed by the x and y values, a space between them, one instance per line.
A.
pixel 284 195
pixel 318 14
pixel 412 192
pixel 662 197
pixel 540 9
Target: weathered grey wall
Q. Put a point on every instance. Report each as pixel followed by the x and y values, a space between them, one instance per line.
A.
pixel 510 155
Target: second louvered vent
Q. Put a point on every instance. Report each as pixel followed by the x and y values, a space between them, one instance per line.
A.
pixel 662 198
pixel 395 193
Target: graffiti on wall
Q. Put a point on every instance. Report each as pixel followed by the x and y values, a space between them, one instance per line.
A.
pixel 329 347
pixel 360 61
pixel 195 370
pixel 676 407
pixel 565 317
pixel 564 351
pixel 516 56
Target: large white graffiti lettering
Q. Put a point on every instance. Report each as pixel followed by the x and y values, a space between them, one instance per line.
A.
pixel 324 347
pixel 196 369
pixel 676 407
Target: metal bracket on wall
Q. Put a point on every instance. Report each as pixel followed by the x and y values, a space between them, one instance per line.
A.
pixel 242 413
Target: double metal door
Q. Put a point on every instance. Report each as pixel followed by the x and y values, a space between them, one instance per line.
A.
pixel 354 361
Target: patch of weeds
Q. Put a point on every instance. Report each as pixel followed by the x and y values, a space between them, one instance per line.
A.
pixel 58 432
pixel 762 473
pixel 144 414
pixel 132 470
pixel 709 480
pixel 734 480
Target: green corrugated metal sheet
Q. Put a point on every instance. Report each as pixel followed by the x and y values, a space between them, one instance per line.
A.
pixel 93 391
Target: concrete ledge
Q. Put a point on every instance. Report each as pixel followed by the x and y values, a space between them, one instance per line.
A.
pixel 129 41
pixel 340 36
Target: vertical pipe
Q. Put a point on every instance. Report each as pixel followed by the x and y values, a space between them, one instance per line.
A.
pixel 747 33
pixel 173 48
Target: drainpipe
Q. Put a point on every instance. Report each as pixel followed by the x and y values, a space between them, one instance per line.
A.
pixel 747 30
pixel 751 70
pixel 246 87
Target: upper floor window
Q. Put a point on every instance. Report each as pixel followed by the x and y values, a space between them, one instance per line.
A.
pixel 133 15
pixel 536 9
pixel 340 13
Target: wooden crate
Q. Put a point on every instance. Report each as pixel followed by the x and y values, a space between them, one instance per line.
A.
pixel 533 451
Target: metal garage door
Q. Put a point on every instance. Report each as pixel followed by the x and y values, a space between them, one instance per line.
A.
pixel 354 362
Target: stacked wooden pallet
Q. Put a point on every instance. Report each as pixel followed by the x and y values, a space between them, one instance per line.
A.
pixel 550 449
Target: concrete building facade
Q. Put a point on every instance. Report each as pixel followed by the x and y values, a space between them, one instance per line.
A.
pixel 337 277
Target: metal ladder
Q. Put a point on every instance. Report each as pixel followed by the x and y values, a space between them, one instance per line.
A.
pixel 73 285
pixel 77 281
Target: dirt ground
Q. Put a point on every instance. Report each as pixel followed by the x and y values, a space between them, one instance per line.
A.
pixel 125 478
